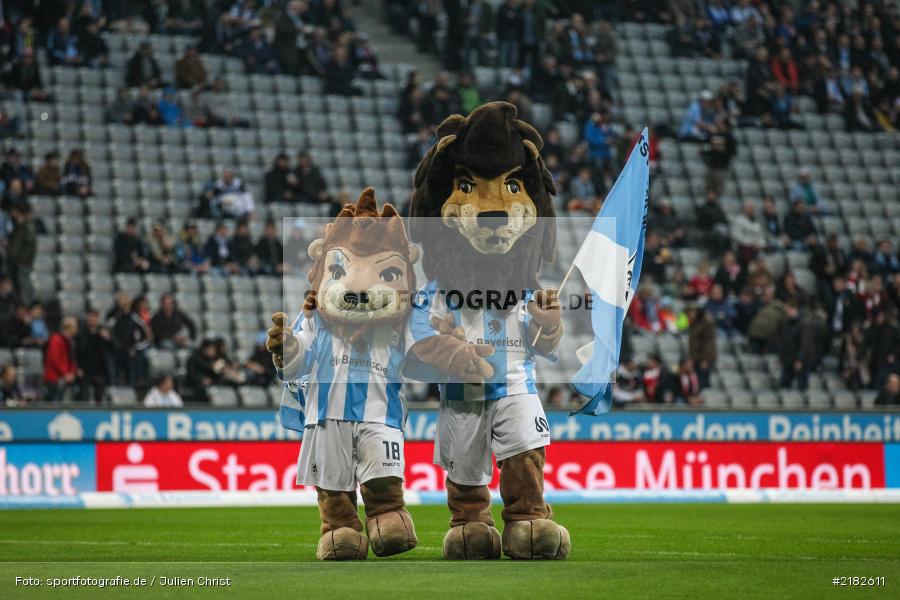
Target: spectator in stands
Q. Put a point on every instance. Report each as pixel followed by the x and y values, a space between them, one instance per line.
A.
pixel 748 36
pixel 49 176
pixel 469 95
pixel 170 326
pixel 758 85
pixel 163 256
pixel 39 331
pixel 509 32
pixel 21 251
pixel 25 76
pixel 702 345
pixel 419 147
pixel 340 73
pixel 190 72
pixel 131 337
pixel 131 252
pixel 799 348
pixel 226 197
pixel 93 351
pixel 60 368
pixel 858 113
pixel 730 275
pixel 805 190
pixel 163 394
pixel 599 136
pixel 143 70
pixel 290 36
pixel 584 198
pixel 189 250
pixel 203 370
pixel 699 121
pixel 10 392
pixel 885 261
pixel 77 174
pixel 14 168
pixel 686 386
pixel 879 348
pixel 799 226
pixel 411 111
pixel 92 46
pixel 747 233
pixel 718 153
pixel 171 109
pixel 62 46
pixel 889 395
pixel 259 366
pixel 280 181
pixel 242 250
pixel 311 186
pixel 656 380
pixel 218 251
pixel 627 386
pixel 16 332
pixel 270 251
pixel 827 261
pixel 721 308
pixel 771 221
pixel 122 109
pixel 146 108
pixel 257 53
pixel 828 93
pixel 713 223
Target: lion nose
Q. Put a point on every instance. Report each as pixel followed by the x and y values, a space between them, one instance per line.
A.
pixel 492 219
pixel 354 298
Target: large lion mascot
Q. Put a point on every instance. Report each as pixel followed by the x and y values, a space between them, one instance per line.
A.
pixel 482 212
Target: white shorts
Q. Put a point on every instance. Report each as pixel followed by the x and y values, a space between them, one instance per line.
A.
pixel 339 455
pixel 469 432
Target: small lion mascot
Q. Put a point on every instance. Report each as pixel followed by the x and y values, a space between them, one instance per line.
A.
pixel 347 347
pixel 483 213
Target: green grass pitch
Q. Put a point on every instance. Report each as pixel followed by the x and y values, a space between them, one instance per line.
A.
pixel 630 550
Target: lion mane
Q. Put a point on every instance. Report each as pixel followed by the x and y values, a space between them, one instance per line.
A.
pixel 489 142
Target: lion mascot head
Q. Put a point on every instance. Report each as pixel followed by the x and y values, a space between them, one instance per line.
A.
pixel 482 206
pixel 363 271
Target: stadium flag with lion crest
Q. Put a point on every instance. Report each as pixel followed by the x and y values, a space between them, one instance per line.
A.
pixel 610 262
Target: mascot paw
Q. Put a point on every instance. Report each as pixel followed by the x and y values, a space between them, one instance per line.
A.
pixel 541 539
pixel 472 541
pixel 391 533
pixel 343 543
pixel 281 341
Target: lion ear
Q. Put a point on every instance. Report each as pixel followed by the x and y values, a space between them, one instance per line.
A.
pixel 388 210
pixel 444 143
pixel 450 125
pixel 532 149
pixel 316 249
pixel 413 253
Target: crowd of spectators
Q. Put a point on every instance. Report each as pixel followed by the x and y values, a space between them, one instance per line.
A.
pixel 845 56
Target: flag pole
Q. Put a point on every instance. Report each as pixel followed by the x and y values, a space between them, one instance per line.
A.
pixel 559 290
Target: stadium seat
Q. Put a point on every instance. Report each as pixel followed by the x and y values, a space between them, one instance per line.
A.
pixel 222 396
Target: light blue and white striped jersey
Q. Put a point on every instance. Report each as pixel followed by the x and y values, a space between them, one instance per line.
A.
pixel 505 331
pixel 330 379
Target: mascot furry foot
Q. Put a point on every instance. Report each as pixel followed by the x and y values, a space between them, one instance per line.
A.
pixel 472 535
pixel 341 529
pixel 529 532
pixel 472 541
pixel 541 539
pixel 389 525
pixel 343 543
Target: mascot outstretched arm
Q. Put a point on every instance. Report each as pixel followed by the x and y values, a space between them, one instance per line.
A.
pixel 348 346
pixel 483 214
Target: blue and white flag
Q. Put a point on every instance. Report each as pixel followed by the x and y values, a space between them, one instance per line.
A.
pixel 610 262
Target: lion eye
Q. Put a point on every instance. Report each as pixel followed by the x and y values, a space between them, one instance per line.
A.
pixel 466 187
pixel 337 271
pixel 512 187
pixel 391 274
